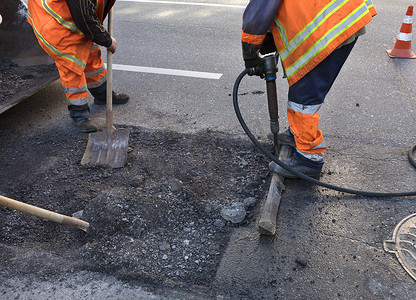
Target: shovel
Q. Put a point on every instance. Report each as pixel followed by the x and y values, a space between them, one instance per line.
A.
pixel 108 147
pixel 43 213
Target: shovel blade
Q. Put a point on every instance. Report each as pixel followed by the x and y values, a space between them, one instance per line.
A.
pixel 107 149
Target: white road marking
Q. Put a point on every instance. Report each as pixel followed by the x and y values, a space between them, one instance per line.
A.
pixel 186 3
pixel 173 72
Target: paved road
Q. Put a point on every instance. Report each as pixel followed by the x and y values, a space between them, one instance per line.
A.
pixel 182 37
pixel 328 245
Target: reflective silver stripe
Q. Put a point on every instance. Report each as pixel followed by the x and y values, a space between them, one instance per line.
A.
pixel 55 51
pixel 404 36
pixel 369 3
pixel 303 109
pixel 72 91
pixel 95 73
pixel 78 102
pixel 408 20
pixel 320 146
pixel 92 85
pixel 313 157
pixel 283 35
pixel 95 46
pixel 60 20
pixel 325 13
pixel 354 17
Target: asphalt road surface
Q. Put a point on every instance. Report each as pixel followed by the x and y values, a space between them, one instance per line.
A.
pixel 179 61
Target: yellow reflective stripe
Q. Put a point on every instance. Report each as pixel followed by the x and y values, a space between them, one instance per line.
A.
pixel 323 42
pixel 55 51
pixel 369 3
pixel 60 20
pixel 282 32
pixel 312 26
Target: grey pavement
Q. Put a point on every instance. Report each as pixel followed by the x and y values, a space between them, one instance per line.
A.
pixel 329 245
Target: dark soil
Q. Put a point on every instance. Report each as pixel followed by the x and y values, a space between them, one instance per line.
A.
pixel 155 221
pixel 19 82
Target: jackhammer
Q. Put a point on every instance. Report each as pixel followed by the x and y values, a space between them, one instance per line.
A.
pixel 268 70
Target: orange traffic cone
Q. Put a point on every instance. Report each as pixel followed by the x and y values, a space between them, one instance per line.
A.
pixel 402 48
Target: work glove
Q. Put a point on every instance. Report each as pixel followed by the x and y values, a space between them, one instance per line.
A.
pixel 268 45
pixel 254 66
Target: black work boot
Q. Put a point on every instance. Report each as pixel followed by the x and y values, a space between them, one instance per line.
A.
pixel 284 138
pixel 100 95
pixel 297 166
pixel 81 116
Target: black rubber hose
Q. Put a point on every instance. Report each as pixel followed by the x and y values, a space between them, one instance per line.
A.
pixel 411 155
pixel 300 175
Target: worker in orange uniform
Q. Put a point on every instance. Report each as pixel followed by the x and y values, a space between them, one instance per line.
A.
pixel 313 39
pixel 71 32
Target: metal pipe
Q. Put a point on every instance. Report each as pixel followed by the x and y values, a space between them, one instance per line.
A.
pixel 270 70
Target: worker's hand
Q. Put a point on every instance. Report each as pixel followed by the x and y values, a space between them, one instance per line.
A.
pixel 113 45
pixel 254 66
pixel 268 45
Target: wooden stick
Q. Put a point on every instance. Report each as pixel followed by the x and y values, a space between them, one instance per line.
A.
pixel 43 213
pixel 267 223
pixel 109 95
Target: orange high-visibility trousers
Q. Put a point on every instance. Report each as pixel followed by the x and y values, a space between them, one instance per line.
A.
pixel 305 99
pixel 77 58
pixel 75 86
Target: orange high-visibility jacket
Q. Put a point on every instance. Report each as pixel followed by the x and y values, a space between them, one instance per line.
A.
pixel 57 33
pixel 305 31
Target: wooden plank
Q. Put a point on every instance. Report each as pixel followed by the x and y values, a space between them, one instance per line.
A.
pixel 268 219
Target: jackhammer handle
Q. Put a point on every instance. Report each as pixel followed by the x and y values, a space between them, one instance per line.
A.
pixel 273 108
pixel 270 70
pixel 43 213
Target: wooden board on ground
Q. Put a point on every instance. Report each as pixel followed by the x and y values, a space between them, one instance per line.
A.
pixel 268 219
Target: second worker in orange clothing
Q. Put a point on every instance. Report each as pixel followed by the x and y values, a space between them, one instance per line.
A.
pixel 71 32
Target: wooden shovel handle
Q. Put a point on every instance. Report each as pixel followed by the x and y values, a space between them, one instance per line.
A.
pixel 43 213
pixel 109 111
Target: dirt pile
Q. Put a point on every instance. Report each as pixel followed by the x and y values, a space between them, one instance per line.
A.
pixel 18 82
pixel 156 220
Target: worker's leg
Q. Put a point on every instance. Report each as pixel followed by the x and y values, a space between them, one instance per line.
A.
pixel 95 73
pixel 75 89
pixel 305 99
